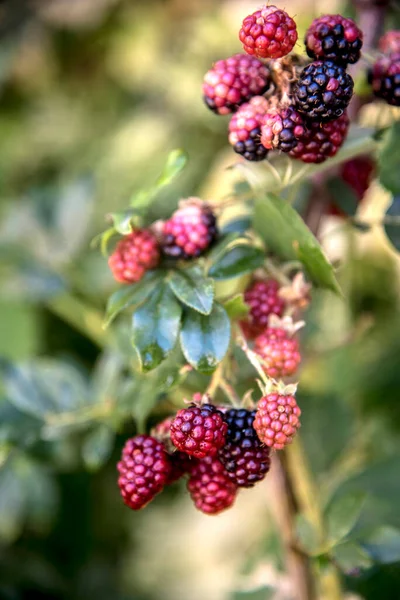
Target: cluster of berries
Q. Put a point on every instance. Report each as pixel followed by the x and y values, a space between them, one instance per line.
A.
pixel 187 234
pixel 385 73
pixel 220 450
pixel 283 102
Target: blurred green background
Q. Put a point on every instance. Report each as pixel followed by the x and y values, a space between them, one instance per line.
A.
pixel 93 96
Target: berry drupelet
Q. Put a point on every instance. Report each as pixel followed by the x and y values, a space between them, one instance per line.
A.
pixel 144 469
pixel 233 81
pixel 333 37
pixel 263 298
pixel 281 129
pixel 245 459
pixel 321 140
pixel 279 352
pixel 323 91
pixel 386 78
pixel 190 231
pixel 199 431
pixel 210 487
pixel 245 129
pixel 134 254
pixel 268 33
pixel 277 420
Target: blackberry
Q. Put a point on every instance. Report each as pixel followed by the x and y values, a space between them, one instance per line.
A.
pixel 268 33
pixel 199 430
pixel 245 129
pixel 390 42
pixel 333 37
pixel 386 78
pixel 277 419
pixel 190 231
pixel 281 129
pixel 210 487
pixel 134 254
pixel 233 81
pixel 244 457
pixel 323 91
pixel 263 298
pixel 279 351
pixel 321 140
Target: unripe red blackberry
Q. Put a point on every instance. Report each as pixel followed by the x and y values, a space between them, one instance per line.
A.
pixel 281 129
pixel 277 420
pixel 210 488
pixel 199 430
pixel 279 352
pixel 144 469
pixel 386 78
pixel 268 33
pixel 323 91
pixel 134 254
pixel 245 129
pixel 190 231
pixel 321 140
pixel 181 464
pixel 333 37
pixel 244 457
pixel 390 42
pixel 263 299
pixel 233 81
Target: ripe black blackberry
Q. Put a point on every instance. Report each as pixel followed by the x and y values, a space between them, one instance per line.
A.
pixel 323 91
pixel 385 78
pixel 335 38
pixel 245 458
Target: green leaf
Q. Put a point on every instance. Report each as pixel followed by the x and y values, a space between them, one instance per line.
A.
pixel 193 289
pixel 344 196
pixel 236 261
pixel 122 221
pixel 383 545
pixel 205 339
pixel 389 159
pixel 286 234
pixel 307 535
pixel 236 307
pixel 97 447
pixel 238 225
pixel 176 162
pixel 350 557
pixel 262 593
pixel 131 295
pixel 155 327
pixel 342 514
pixel 392 222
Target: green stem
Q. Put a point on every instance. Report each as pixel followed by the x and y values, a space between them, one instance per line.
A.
pixel 83 318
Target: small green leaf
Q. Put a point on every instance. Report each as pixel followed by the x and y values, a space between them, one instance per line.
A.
pixel 236 261
pixel 350 556
pixel 97 447
pixel 205 338
pixel 176 162
pixel 389 159
pixel 307 535
pixel 102 240
pixel 193 289
pixel 131 295
pixel 383 545
pixel 342 514
pixel 286 234
pixel 155 327
pixel 392 222
pixel 123 221
pixel 236 307
pixel 239 225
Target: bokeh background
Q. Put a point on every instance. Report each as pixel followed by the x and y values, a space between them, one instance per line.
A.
pixel 93 96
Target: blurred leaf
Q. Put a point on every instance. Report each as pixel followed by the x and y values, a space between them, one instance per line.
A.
pixel 344 196
pixel 73 213
pixel 130 295
pixel 238 260
pixel 106 375
pixel 227 241
pixel 43 388
pixel 307 535
pixel 342 514
pixel 155 327
pixel 97 447
pixel 239 225
pixel 122 221
pixel 205 339
pixel 389 159
pixel 236 307
pixel 383 545
pixel 286 234
pixel 17 427
pixel 392 222
pixel 193 289
pixel 350 556
pixel 262 593
pixel 33 282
